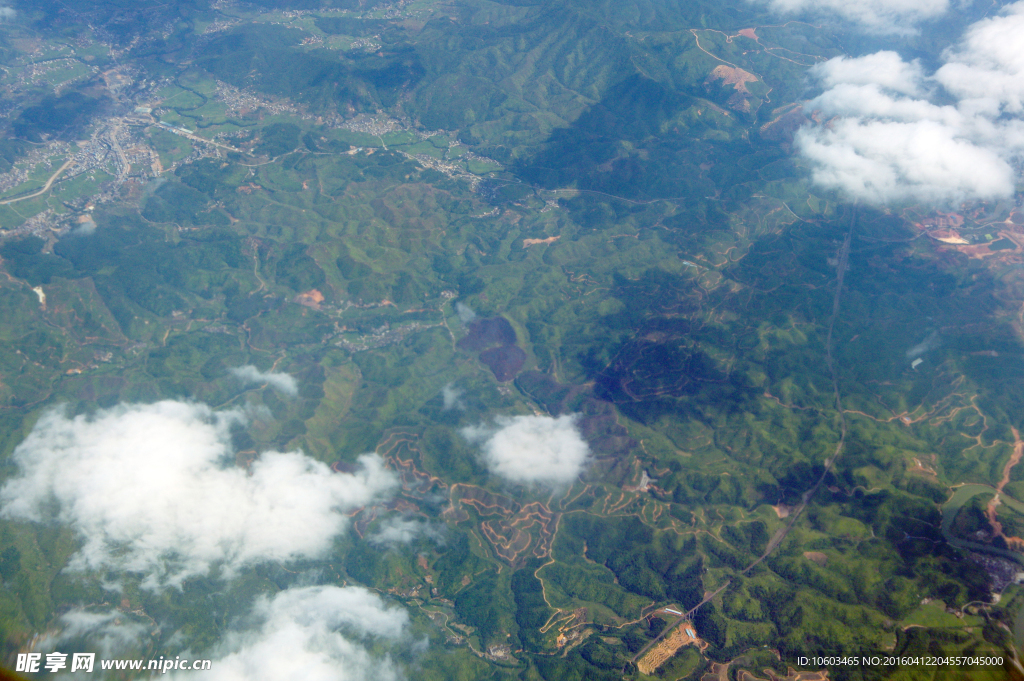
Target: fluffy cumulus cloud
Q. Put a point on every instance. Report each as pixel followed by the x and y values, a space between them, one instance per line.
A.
pixel 986 70
pixel 876 16
pixel 154 489
pixel 885 138
pixel 310 634
pixel 532 449
pixel 250 375
pixel 7 14
pixel 879 70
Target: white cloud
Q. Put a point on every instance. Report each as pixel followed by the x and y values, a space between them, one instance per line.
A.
pixel 7 14
pixel 111 632
pixel 532 449
pixel 310 634
pixel 313 633
pixel 887 141
pixel 396 530
pixel 886 69
pixel 154 489
pixel 887 161
pixel 930 342
pixel 249 374
pixel 986 70
pixel 876 16
pixel 452 397
pixel 84 228
pixel 465 312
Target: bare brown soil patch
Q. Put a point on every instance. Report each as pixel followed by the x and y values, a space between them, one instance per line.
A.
pixel 717 672
pixel 983 250
pixel 736 77
pixel 816 557
pixel 948 236
pixel 991 509
pixel 533 242
pixel 739 102
pixel 924 469
pixel 311 298
pixel 668 647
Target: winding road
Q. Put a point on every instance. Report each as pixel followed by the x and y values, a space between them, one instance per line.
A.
pixel 844 256
pixel 46 187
